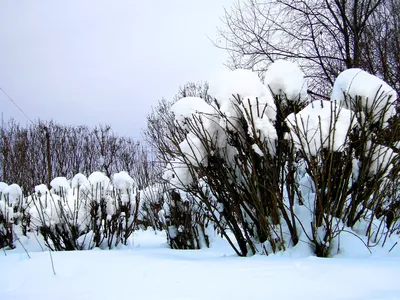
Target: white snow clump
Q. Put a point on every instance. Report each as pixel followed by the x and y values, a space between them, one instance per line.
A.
pixel 59 184
pixel 123 181
pixel 285 79
pixel 79 180
pixel 321 124
pixel 376 96
pixel 41 189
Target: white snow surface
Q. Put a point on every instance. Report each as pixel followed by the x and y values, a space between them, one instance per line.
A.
pixel 123 181
pixel 285 78
pixel 147 269
pixel 312 127
pixel 188 107
pixel 14 191
pixel 3 187
pixel 377 97
pixel 41 189
pixel 248 86
pixel 382 158
pixel 79 180
pixel 59 183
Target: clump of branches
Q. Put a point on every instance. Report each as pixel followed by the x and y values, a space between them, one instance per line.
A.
pixel 324 37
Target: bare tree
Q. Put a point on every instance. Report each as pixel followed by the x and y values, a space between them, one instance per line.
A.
pixel 323 37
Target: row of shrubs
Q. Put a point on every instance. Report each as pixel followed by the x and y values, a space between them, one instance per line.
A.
pixel 268 169
pixel 81 213
pixel 264 168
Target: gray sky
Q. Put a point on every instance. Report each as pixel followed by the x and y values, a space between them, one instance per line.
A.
pixel 96 61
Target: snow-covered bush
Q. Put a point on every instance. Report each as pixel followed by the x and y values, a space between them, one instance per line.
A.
pixel 6 218
pixel 339 145
pixel 151 206
pixel 280 169
pixel 234 148
pixel 82 213
pixel 185 222
pixel 362 92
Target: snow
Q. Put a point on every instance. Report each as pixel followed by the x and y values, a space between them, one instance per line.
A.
pixel 194 150
pixel 3 187
pixel 13 191
pixel 148 270
pixel 248 86
pixel 98 177
pixel 382 158
pixel 285 79
pixel 188 107
pixel 79 180
pixel 59 184
pixel 123 181
pixel 321 124
pixel 41 189
pixel 377 97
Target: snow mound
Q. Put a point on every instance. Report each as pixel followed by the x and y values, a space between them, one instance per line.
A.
pixel 382 158
pixel 285 79
pixel 41 189
pixel 321 124
pixel 123 181
pixel 59 184
pixel 186 107
pixel 79 180
pixel 3 187
pixel 98 178
pixel 248 86
pixel 376 97
pixel 13 191
pixel 241 93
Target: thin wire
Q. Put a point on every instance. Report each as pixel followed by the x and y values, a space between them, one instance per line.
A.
pixel 16 105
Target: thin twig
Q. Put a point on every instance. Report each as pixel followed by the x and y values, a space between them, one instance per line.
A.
pixel 393 247
pixel 19 241
pixel 38 241
pixel 366 246
pixel 52 263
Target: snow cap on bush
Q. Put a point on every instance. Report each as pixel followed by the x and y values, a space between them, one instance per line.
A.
pixel 376 96
pixel 321 124
pixel 79 180
pixel 41 189
pixel 188 107
pixel 248 86
pixel 123 181
pixel 13 191
pixel 285 79
pixel 98 178
pixel 3 187
pixel 59 184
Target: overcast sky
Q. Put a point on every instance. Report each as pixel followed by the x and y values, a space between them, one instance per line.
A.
pixel 95 61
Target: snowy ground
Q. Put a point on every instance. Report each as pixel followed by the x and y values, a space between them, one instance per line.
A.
pixel 150 270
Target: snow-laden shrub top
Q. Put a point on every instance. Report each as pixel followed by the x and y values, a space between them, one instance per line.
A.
pixel 41 189
pixel 13 191
pixel 285 79
pixel 3 187
pixel 59 184
pixel 376 96
pixel 79 180
pixel 321 124
pixel 123 181
pixel 99 178
pixel 382 158
pixel 248 86
pixel 190 107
